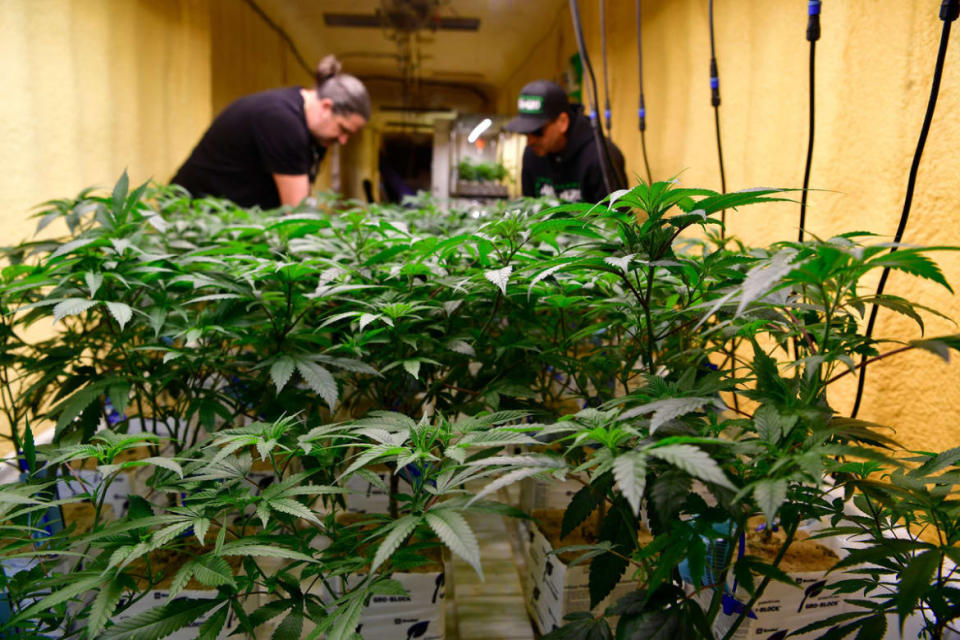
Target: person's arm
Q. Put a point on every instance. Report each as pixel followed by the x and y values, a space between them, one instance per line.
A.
pixel 292 188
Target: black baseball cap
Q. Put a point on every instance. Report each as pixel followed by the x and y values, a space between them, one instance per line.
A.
pixel 540 102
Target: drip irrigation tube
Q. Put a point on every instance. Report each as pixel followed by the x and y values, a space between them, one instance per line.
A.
pixel 641 107
pixel 606 161
pixel 949 11
pixel 715 101
pixel 813 34
pixel 603 50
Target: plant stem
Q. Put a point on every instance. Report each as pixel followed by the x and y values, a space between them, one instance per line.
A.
pixel 763 584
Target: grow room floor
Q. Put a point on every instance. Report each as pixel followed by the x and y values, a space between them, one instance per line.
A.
pixel 492 609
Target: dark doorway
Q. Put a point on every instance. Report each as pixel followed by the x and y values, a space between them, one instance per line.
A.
pixel 406 161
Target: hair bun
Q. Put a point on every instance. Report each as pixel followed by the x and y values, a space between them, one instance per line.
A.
pixel 327 68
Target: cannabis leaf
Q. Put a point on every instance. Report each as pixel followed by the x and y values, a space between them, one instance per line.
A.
pixel 453 529
pixel 499 277
pixel 694 461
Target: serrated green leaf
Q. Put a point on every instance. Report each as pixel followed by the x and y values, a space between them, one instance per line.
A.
pixel 320 381
pixel 347 618
pixel 412 367
pixel 694 461
pixel 499 277
pixel 453 530
pixel 872 628
pixel 290 628
pixel 213 626
pixel 461 346
pixel 70 246
pixel 630 472
pixel 121 313
pixel 582 504
pixel 103 606
pixel 281 370
pixel 667 409
pixel 181 578
pixel 77 403
pixel 765 276
pixel 915 581
pixel 161 621
pixel 221 537
pixel 166 463
pixel 68 592
pixel 770 494
pixel 242 548
pixel 605 572
pixel 399 531
pixel 506 480
pixel 93 280
pixel 71 307
pixel 366 319
pixel 294 508
pixel 213 571
pixel 769 424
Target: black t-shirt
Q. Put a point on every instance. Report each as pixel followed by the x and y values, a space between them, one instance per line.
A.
pixel 574 174
pixel 253 138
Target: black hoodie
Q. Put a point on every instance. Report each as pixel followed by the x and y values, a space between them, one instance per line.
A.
pixel 574 174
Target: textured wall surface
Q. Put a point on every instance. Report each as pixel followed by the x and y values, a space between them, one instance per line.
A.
pixel 874 66
pixel 93 87
pixel 247 55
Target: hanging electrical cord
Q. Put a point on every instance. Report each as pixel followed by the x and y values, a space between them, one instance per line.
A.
pixel 283 35
pixel 641 107
pixel 585 98
pixel 606 161
pixel 715 101
pixel 813 34
pixel 949 10
pixel 603 49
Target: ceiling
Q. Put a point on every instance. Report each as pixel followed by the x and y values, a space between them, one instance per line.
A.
pixel 508 32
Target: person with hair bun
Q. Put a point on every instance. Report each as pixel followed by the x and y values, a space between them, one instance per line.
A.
pixel 265 149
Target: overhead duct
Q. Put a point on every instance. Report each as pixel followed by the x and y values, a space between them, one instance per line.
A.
pixel 406 16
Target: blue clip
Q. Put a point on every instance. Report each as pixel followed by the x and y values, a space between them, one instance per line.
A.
pixel 642 113
pixel 714 82
pixel 813 7
pixel 732 606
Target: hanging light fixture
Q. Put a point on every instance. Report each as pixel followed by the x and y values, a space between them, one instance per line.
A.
pixel 479 129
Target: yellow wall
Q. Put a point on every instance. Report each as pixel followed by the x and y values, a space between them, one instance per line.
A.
pixel 874 67
pixel 247 55
pixel 93 87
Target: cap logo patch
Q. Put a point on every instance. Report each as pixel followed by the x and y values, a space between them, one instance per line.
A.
pixel 530 104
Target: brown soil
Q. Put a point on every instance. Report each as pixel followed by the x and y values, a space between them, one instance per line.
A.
pixel 802 555
pixel 136 453
pixel 550 522
pixel 82 514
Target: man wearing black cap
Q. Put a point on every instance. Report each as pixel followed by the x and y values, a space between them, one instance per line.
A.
pixel 562 159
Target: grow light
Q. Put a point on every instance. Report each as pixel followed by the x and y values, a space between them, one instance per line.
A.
pixel 479 129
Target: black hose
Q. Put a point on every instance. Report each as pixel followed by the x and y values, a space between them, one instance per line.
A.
pixel 949 10
pixel 641 107
pixel 598 137
pixel 813 34
pixel 603 50
pixel 715 101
